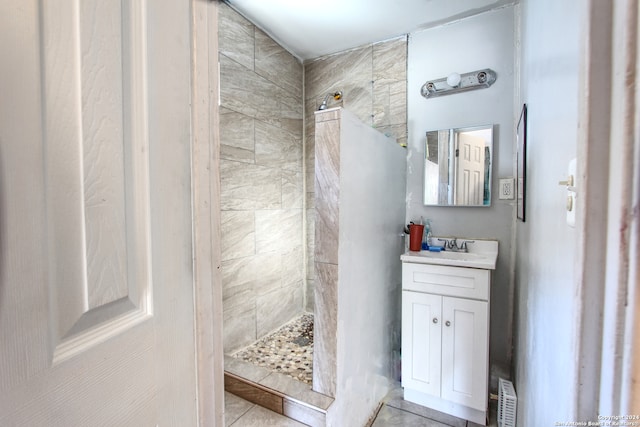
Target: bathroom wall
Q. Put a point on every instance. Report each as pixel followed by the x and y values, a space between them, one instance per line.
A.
pixel 261 181
pixel 546 294
pixel 373 81
pixel 482 41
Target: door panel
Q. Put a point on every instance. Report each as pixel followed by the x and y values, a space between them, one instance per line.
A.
pixel 470 170
pixel 421 335
pixel 465 351
pixel 96 267
pixel 97 172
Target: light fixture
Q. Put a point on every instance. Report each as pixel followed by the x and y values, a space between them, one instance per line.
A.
pixel 455 83
pixel 454 79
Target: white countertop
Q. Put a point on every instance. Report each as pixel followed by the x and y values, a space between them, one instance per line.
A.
pixel 482 254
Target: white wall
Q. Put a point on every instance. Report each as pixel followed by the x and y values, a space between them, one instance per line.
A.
pixel 546 301
pixel 482 41
pixel 372 189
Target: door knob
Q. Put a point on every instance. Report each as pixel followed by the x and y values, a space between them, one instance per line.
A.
pixel 568 182
pixel 447 323
pixel 435 320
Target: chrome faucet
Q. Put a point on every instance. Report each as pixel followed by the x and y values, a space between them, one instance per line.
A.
pixel 452 244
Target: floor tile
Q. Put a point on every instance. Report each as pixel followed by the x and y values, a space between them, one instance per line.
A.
pixel 234 408
pixel 395 399
pixel 392 417
pixel 261 417
pixel 244 369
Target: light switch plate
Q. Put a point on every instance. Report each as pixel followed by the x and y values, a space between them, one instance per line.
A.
pixel 507 189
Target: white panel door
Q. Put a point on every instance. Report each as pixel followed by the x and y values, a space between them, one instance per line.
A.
pixel 465 351
pixel 96 271
pixel 470 170
pixel 421 341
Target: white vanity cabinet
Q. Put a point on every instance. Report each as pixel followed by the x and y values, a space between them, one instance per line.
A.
pixel 445 338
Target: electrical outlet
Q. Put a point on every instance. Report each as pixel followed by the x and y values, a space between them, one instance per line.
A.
pixel 507 189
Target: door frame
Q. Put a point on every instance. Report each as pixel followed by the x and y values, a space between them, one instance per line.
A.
pixel 205 147
pixel 608 213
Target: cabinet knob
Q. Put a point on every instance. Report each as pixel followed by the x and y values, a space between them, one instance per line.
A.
pixel 435 320
pixel 447 323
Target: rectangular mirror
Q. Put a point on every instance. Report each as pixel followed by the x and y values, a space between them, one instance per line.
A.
pixel 457 166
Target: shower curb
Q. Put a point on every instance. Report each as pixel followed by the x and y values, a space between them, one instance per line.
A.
pixel 278 401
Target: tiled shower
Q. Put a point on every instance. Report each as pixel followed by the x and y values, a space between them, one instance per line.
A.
pixel 267 167
pixel 261 182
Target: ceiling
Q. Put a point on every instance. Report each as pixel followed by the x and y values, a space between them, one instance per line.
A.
pixel 313 28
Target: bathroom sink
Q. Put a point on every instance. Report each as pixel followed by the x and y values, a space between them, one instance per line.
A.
pixel 482 254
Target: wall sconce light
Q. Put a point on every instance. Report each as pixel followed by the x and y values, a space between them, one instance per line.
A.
pixel 455 83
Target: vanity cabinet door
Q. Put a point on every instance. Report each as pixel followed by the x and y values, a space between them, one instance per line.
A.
pixel 465 352
pixel 421 341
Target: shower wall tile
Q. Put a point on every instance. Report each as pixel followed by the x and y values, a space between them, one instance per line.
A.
pixel 292 190
pixel 398 103
pixel 325 329
pixel 237 154
pixel 360 100
pixel 389 104
pixel 237 136
pixel 275 147
pixel 237 230
pixel 238 279
pixel 239 327
pixel 310 299
pixel 268 272
pixel 289 107
pixel 235 36
pixel 310 190
pixel 292 125
pixel 246 186
pixel 237 130
pixel 310 196
pixel 327 191
pixel 277 307
pixel 310 108
pixel 261 177
pixel 331 73
pixel 310 260
pixel 276 64
pixel 325 116
pixel 278 230
pixel 246 92
pixel 244 278
pixel 311 233
pixel 292 268
pixel 390 61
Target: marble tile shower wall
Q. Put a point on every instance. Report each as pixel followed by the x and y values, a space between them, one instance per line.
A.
pixel 261 181
pixel 373 79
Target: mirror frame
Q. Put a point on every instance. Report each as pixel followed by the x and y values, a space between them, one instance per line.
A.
pixel 450 191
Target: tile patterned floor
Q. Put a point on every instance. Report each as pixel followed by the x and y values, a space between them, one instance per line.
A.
pixel 289 350
pixel 396 412
pixel 241 413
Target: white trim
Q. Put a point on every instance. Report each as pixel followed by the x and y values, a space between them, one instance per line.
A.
pixel 609 176
pixel 592 181
pixel 620 395
pixel 206 214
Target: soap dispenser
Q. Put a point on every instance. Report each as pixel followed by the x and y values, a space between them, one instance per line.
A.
pixel 426 239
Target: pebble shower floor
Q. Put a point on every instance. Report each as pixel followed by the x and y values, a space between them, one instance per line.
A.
pixel 289 350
